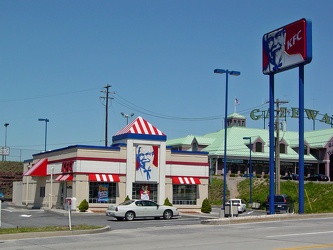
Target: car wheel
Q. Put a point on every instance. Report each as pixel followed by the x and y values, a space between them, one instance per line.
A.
pixel 167 214
pixel 290 210
pixel 130 216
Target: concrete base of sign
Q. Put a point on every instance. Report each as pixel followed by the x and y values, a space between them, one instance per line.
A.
pixel 221 213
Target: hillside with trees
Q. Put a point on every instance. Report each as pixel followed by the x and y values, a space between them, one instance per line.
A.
pixel 9 172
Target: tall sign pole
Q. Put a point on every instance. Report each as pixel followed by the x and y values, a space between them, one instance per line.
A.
pixel 271 144
pixel 286 48
pixel 301 141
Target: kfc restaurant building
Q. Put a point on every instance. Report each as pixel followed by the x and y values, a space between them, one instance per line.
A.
pixel 137 164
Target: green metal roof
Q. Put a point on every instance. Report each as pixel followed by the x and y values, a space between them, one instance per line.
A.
pixel 236 115
pixel 238 147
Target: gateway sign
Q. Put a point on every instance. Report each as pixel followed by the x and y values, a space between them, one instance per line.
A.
pixel 257 114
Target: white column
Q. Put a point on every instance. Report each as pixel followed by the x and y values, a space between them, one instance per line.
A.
pixel 162 163
pixel 130 168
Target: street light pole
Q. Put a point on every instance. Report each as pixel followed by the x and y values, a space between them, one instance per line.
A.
pixel 126 116
pixel 46 121
pixel 249 138
pixel 6 125
pixel 233 73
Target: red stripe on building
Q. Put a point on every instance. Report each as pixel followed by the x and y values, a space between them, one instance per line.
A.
pixel 187 163
pixel 186 180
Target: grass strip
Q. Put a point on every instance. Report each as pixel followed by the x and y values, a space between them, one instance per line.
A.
pixel 46 229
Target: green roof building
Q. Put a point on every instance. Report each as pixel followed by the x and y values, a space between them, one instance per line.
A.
pixel 318 150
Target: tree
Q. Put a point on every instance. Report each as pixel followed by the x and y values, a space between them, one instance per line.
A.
pixel 83 207
pixel 167 202
pixel 206 207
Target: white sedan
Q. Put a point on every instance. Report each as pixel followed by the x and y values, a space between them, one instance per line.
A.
pixel 241 206
pixel 139 209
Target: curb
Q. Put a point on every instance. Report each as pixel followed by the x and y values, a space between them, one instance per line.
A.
pixel 263 218
pixel 17 236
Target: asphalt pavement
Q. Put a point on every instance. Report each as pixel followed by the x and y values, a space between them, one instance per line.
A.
pixel 216 217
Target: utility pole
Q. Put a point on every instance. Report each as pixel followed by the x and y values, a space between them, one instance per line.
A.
pixel 106 91
pixel 277 146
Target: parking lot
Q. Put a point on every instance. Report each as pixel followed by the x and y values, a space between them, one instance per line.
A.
pixel 13 217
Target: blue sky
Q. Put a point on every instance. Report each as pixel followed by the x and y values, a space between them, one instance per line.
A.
pixel 159 57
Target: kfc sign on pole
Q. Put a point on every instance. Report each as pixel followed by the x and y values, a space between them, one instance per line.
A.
pixel 287 47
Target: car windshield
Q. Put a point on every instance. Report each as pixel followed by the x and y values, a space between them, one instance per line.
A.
pixel 234 202
pixel 128 202
pixel 278 198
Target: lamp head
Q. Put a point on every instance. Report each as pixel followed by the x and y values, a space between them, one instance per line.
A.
pixel 43 120
pixel 234 73
pixel 222 71
pixel 6 124
pixel 219 71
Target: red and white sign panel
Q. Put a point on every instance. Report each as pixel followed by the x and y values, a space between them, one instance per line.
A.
pixel 287 47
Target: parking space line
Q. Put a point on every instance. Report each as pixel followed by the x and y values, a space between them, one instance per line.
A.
pixel 291 235
pixel 322 246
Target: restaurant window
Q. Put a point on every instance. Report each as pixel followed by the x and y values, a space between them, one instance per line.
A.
pixel 184 194
pixel 144 191
pixel 42 192
pixel 102 192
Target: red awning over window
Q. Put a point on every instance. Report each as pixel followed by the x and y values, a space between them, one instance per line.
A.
pixel 104 177
pixel 186 180
pixel 38 169
pixel 64 177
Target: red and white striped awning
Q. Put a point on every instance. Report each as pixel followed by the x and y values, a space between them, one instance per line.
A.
pixel 140 126
pixel 64 177
pixel 38 169
pixel 186 180
pixel 104 177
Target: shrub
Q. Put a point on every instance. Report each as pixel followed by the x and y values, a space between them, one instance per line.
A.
pixel 127 198
pixel 83 207
pixel 206 207
pixel 167 202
